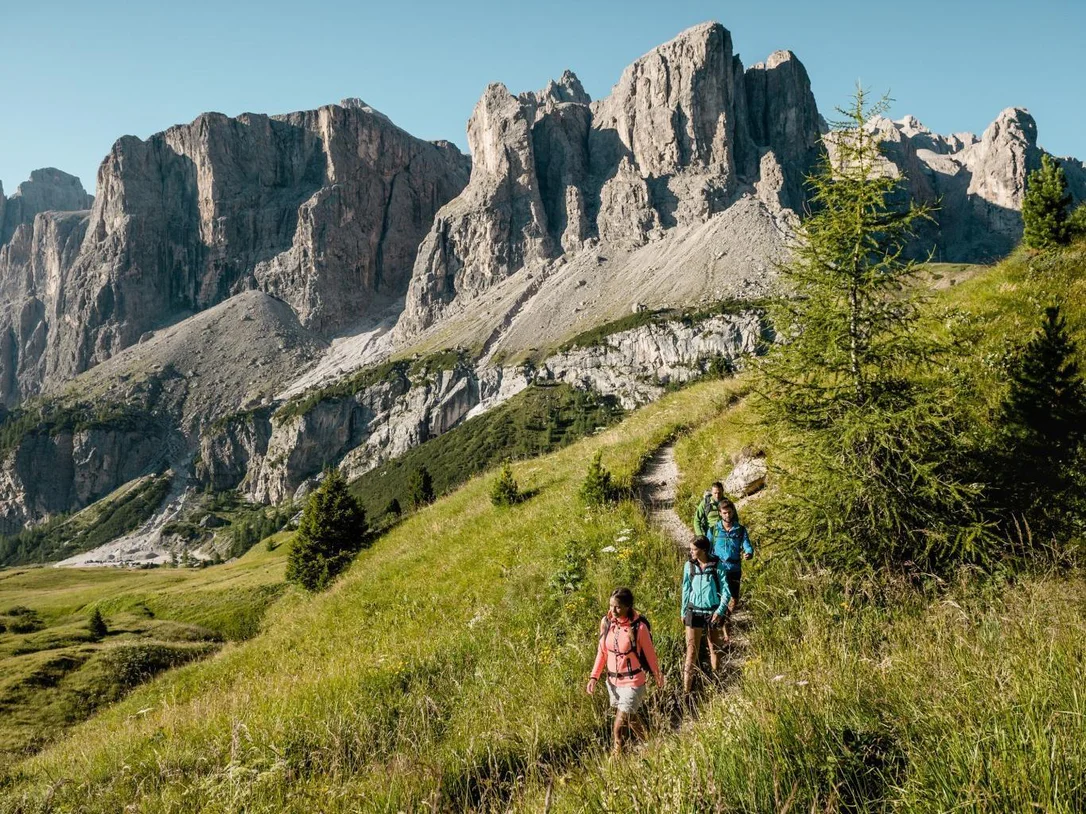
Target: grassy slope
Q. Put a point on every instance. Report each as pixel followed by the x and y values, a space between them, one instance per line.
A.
pixel 401 679
pixel 440 670
pixel 963 696
pixel 55 676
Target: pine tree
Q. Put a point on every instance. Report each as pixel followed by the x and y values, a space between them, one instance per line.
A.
pixel 597 488
pixel 393 508
pixel 505 492
pixel 97 625
pixel 331 531
pixel 1045 207
pixel 420 488
pixel 1044 425
pixel 873 478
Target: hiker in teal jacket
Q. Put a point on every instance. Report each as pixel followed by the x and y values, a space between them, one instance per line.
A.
pixel 704 606
pixel 732 545
pixel 707 514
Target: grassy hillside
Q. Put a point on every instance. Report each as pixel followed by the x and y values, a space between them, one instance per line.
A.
pixel 55 673
pixel 445 670
pixel 443 660
pixel 539 419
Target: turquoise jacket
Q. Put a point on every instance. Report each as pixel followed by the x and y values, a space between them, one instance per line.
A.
pixel 704 588
pixel 730 545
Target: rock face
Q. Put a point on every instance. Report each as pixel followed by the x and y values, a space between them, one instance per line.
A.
pixel 52 473
pixel 978 183
pixel 684 132
pixel 143 409
pixel 270 459
pixel 323 209
pixel 47 190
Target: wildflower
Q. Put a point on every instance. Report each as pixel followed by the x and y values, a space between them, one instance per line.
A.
pixel 608 550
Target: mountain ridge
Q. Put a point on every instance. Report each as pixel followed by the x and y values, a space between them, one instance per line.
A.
pixel 680 188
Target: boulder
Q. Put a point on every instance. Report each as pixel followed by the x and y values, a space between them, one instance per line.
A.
pixel 747 477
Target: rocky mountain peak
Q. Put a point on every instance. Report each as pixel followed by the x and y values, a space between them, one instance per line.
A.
pixel 683 133
pixel 323 209
pixel 567 89
pixel 48 189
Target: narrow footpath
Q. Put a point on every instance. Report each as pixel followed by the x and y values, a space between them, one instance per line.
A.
pixel 656 486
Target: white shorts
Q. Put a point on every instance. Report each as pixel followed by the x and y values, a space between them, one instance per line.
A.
pixel 626 699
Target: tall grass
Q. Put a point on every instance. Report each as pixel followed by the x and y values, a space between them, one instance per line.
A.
pixel 447 664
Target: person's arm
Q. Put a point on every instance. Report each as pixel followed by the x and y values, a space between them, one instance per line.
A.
pixel 725 598
pixel 646 648
pixel 748 548
pixel 701 522
pixel 599 665
pixel 686 591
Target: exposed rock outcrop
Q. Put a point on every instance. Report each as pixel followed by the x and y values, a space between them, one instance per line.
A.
pixel 269 458
pixel 978 183
pixel 144 408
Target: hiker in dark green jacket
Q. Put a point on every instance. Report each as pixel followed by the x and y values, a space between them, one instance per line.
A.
pixel 707 514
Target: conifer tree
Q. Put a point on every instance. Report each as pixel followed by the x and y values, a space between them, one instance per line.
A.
pixel 597 488
pixel 97 625
pixel 1045 206
pixel 1044 421
pixel 420 488
pixel 331 531
pixel 505 492
pixel 873 479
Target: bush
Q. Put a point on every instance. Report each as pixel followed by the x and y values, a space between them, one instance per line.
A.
pixel 597 488
pixel 504 492
pixel 331 532
pixel 1076 222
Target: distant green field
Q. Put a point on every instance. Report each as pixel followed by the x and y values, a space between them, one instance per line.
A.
pixel 54 673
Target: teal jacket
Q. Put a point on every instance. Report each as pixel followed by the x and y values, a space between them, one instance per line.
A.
pixel 730 545
pixel 704 588
pixel 706 515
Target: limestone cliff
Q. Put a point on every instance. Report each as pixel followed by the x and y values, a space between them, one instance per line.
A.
pixel 323 209
pixel 682 135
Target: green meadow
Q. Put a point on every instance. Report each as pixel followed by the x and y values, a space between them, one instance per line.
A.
pixel 445 670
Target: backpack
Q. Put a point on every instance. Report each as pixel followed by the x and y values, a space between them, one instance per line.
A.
pixel 635 630
pixel 713 567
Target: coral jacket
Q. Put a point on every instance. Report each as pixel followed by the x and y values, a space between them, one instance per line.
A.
pixel 627 661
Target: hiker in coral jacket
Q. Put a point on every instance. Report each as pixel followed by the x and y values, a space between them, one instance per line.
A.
pixel 626 651
pixel 732 545
pixel 704 606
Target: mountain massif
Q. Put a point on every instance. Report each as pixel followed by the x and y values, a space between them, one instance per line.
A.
pixel 247 300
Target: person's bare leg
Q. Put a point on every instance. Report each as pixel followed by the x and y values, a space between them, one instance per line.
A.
pixel 717 637
pixel 637 727
pixel 693 643
pixel 621 719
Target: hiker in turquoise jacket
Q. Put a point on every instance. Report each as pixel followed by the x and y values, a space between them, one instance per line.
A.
pixel 732 545
pixel 704 606
pixel 707 514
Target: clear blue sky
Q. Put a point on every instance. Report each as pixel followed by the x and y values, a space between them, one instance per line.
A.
pixel 78 75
